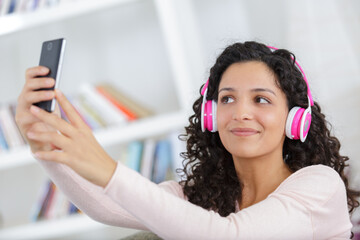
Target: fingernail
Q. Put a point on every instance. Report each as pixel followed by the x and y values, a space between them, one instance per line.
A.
pixel 49 81
pixel 58 92
pixel 34 109
pixel 44 70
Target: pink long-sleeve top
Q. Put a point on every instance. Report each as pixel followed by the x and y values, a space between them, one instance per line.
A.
pixel 310 204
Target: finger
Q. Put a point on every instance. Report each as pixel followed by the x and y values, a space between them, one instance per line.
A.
pixel 57 111
pixel 69 110
pixel 38 96
pixel 30 74
pixel 26 99
pixel 38 83
pixel 56 139
pixel 36 72
pixel 53 120
pixel 24 118
pixel 54 156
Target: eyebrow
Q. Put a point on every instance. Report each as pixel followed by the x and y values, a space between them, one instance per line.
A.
pixel 227 89
pixel 263 90
pixel 230 89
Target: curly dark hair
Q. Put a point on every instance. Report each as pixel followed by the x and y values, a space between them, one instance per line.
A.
pixel 210 177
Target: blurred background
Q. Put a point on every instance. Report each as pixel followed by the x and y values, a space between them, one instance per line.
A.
pixel 160 53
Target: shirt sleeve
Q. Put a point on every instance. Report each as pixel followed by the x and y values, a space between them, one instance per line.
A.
pixel 90 198
pixel 287 213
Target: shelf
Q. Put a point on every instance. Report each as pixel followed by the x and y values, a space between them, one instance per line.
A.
pixel 21 21
pixel 15 158
pixel 19 25
pixel 142 128
pixel 57 228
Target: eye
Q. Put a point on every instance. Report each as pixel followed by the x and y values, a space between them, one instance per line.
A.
pixel 261 100
pixel 227 99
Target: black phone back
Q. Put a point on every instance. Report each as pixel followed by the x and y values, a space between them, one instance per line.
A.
pixel 51 57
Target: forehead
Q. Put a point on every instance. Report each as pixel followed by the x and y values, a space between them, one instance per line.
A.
pixel 248 75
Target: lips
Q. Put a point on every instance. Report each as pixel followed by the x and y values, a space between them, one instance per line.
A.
pixel 244 132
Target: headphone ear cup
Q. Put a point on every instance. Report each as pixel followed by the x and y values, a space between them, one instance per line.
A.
pixel 208 123
pixel 293 122
pixel 202 118
pixel 208 116
pixel 305 124
pixel 214 117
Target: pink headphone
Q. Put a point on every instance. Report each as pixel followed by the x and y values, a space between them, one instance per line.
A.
pixel 297 123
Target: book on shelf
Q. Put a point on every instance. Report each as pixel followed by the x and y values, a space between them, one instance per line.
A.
pixel 103 105
pixel 52 203
pixel 3 142
pixel 24 6
pixel 162 169
pixel 154 158
pixel 88 118
pixel 148 158
pixel 10 136
pixel 134 155
pixel 131 108
pixel 105 110
pixel 4 7
pixel 12 107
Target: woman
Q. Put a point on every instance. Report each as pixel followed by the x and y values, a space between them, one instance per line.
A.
pixel 244 178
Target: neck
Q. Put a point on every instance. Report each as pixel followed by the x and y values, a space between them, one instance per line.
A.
pixel 260 176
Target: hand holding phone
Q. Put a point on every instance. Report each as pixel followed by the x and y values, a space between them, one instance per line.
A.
pixel 52 54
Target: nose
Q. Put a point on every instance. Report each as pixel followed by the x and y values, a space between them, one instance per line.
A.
pixel 243 111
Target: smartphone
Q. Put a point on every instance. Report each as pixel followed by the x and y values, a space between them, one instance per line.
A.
pixel 52 55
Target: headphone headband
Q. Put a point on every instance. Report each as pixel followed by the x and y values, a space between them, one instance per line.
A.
pixel 203 90
pixel 304 77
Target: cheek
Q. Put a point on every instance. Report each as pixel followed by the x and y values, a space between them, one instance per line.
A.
pixel 274 122
pixel 223 119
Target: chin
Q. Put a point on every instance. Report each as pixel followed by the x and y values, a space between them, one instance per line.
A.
pixel 247 154
pixel 246 151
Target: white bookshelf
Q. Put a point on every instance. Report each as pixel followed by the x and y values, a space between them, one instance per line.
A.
pixel 16 158
pixel 20 26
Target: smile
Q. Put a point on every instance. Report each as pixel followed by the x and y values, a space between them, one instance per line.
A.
pixel 243 132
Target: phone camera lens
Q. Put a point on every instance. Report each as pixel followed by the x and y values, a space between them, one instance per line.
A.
pixel 49 46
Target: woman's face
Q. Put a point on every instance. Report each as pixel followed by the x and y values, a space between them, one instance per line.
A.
pixel 252 110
